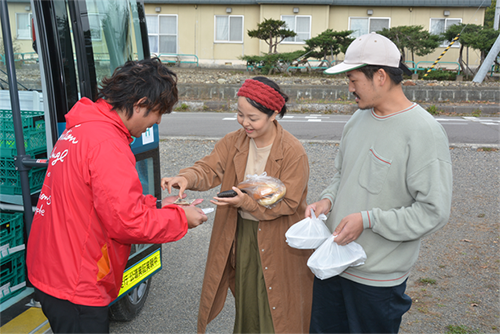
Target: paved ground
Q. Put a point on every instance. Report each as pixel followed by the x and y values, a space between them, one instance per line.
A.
pixel 455 281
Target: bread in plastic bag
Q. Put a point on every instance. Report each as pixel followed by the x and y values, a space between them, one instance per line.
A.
pixel 266 190
pixel 331 259
pixel 309 233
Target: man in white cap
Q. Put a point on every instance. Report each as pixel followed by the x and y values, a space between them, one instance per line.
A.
pixel 393 186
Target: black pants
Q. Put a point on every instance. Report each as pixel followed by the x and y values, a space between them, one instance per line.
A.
pixel 343 306
pixel 66 317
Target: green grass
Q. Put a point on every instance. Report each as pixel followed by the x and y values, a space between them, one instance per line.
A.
pixel 182 107
pixel 461 329
pixel 433 110
pixel 476 113
pixel 427 281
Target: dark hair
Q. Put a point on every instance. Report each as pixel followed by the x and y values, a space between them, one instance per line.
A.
pixel 138 79
pixel 277 88
pixel 395 74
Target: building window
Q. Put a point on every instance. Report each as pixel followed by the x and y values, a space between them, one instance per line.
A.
pixel 439 26
pixel 301 24
pixel 366 25
pixel 95 27
pixel 229 28
pixel 162 33
pixel 23 21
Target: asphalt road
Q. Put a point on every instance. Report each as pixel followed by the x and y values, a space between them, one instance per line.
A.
pixel 461 130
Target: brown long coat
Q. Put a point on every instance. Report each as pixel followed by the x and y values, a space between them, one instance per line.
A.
pixel 288 279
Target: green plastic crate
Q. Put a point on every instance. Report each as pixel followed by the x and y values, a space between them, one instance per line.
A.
pixel 33 130
pixel 11 231
pixel 12 275
pixel 10 180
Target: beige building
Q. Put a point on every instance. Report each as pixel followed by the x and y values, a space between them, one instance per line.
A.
pixel 20 26
pixel 216 31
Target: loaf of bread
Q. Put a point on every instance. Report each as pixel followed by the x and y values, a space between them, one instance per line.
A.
pixel 265 190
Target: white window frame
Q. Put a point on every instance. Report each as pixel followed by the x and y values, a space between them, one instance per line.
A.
pixel 287 41
pixel 369 19
pixel 445 43
pixel 99 30
pixel 229 29
pixel 158 34
pixel 29 27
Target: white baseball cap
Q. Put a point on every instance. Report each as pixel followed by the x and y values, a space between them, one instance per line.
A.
pixel 370 49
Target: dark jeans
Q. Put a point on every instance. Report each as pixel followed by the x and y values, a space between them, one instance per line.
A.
pixel 344 306
pixel 66 317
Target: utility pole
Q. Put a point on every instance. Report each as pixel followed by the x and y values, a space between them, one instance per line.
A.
pixel 488 61
pixel 497 16
pixel 495 49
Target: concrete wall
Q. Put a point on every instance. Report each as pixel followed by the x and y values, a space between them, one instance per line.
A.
pixel 327 94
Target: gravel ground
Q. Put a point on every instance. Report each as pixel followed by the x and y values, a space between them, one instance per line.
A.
pixel 454 283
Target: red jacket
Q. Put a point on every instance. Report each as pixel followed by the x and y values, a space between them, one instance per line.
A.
pixel 91 209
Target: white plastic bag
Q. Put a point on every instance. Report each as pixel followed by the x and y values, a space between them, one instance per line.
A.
pixel 331 259
pixel 309 233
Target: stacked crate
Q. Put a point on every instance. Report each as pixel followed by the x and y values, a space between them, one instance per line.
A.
pixel 12 255
pixel 35 145
pixel 12 236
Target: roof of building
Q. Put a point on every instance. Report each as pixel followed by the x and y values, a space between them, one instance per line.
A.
pixel 371 3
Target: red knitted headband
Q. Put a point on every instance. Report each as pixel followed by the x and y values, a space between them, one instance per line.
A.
pixel 263 94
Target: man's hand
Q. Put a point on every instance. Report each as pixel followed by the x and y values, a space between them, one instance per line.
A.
pixel 349 229
pixel 170 200
pixel 194 215
pixel 319 207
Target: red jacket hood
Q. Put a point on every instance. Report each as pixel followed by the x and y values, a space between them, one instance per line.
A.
pixel 87 111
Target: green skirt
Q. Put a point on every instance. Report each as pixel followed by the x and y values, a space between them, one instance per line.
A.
pixel 253 314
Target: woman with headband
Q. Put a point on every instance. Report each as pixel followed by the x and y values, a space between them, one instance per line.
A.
pixel 270 281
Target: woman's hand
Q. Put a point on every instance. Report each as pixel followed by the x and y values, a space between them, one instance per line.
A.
pixel 178 182
pixel 236 201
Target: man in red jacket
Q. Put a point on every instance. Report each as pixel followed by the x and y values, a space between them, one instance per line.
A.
pixel 91 206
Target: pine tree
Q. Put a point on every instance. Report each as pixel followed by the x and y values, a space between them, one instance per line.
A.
pixel 273 32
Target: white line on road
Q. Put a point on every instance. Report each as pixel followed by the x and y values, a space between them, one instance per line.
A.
pixel 310 120
pixel 450 120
